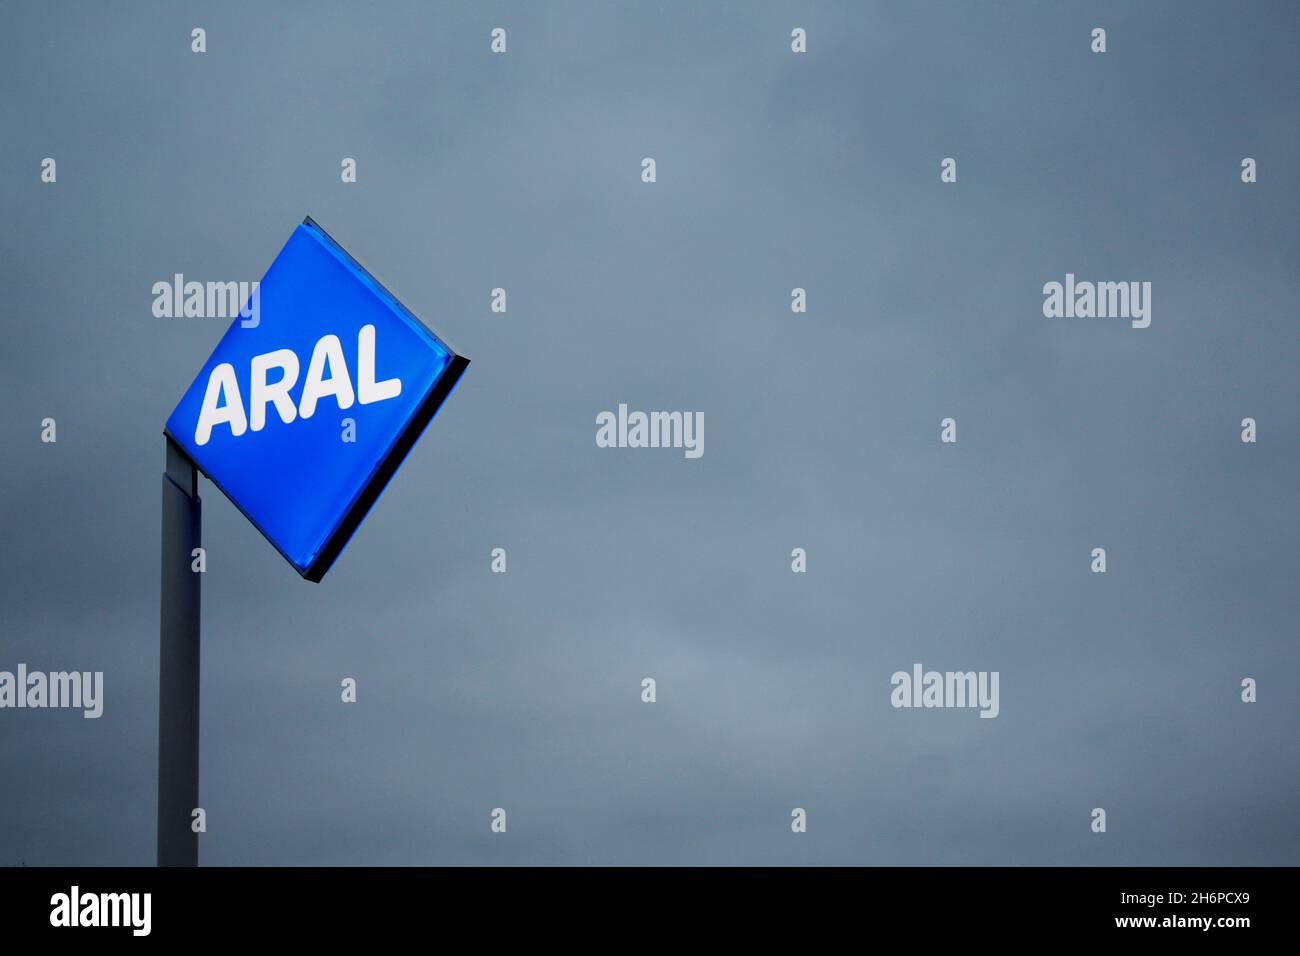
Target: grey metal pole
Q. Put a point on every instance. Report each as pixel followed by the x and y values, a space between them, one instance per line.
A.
pixel 178 670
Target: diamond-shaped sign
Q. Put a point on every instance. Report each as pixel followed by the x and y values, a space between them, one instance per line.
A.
pixel 301 416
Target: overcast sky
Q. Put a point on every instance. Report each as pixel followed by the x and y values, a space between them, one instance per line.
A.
pixel 775 170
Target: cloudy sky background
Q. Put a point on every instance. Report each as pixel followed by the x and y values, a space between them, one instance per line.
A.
pixel 522 690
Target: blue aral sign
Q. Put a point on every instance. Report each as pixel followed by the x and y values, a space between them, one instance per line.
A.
pixel 302 416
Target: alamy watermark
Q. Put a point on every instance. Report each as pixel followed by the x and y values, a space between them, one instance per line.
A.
pixel 1102 300
pixel 36 689
pixel 683 430
pixel 946 689
pixel 208 300
pixel 75 908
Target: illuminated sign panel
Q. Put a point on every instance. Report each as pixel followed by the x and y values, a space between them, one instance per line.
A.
pixel 301 416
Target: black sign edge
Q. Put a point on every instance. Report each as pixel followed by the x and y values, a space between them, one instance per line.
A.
pixel 385 470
